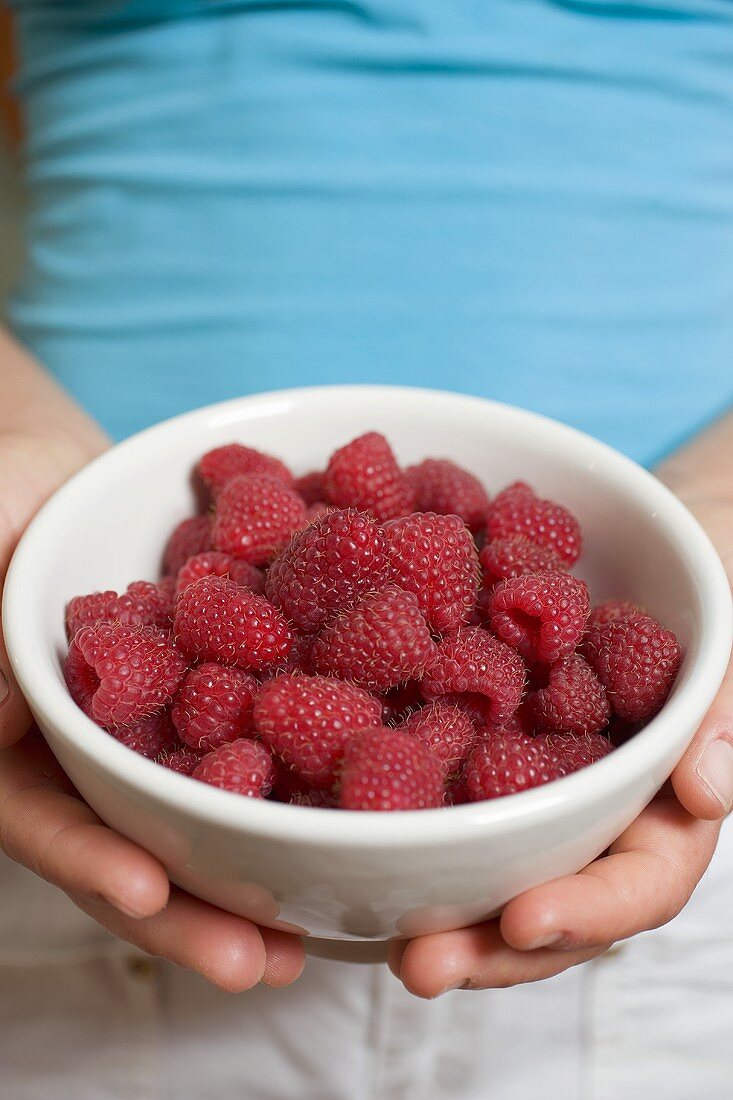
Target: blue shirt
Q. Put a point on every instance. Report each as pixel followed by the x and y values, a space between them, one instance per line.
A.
pixel 524 199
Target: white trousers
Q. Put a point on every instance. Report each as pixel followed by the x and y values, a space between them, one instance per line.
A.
pixel 83 1017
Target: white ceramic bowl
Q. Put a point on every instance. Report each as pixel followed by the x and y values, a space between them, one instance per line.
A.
pixel 360 876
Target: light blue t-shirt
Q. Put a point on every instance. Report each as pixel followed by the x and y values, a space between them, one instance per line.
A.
pixel 524 199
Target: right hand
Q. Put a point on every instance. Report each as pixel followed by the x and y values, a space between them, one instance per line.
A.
pixel 45 825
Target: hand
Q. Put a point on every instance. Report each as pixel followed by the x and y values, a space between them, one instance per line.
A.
pixel 647 876
pixel 45 825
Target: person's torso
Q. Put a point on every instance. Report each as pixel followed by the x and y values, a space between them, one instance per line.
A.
pixel 530 200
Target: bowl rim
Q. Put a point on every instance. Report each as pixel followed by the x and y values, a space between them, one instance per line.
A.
pixel 53 705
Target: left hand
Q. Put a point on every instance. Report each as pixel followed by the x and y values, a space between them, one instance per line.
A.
pixel 648 874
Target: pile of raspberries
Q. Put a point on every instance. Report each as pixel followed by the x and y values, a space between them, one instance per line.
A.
pixel 367 637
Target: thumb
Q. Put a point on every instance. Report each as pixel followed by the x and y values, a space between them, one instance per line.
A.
pixel 703 779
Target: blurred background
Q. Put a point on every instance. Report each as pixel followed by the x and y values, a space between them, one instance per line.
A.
pixel 11 204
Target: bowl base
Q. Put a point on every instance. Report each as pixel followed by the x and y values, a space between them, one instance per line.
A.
pixel 348 951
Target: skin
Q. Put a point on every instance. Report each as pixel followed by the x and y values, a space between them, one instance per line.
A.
pixel 644 881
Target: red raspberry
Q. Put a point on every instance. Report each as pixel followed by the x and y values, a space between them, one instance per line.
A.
pixel 364 474
pixel 297 660
pixel 218 467
pixel 191 536
pixel 637 661
pixel 214 704
pixel 312 487
pixel 444 487
pixel 516 555
pixel 319 510
pixel 183 761
pixel 217 620
pixel 167 587
pixel 256 515
pixel 505 764
pixel 120 674
pixel 613 609
pixel 542 615
pixel 327 567
pixel 447 732
pixel 435 557
pixel 213 563
pixel 473 661
pixel 387 769
pixel 150 736
pixel 400 702
pixel 378 644
pixel 517 511
pixel 308 720
pixel 143 604
pixel 456 790
pixel 245 767
pixel 573 700
pixel 568 752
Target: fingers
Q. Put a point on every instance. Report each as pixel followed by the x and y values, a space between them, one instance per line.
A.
pixel 703 779
pixel 60 838
pixel 228 951
pixel 123 887
pixel 15 718
pixel 475 958
pixel 646 879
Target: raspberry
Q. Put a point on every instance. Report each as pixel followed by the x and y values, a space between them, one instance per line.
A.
pixel 456 790
pixel 515 556
pixel 183 761
pixel 143 604
pixel 504 764
pixel 319 510
pixel 213 563
pixel 573 700
pixel 435 557
pixel 297 660
pixel 569 752
pixel 473 661
pixel 245 767
pixel 518 511
pixel 400 702
pixel 191 536
pixel 167 587
pixel 150 736
pixel 447 732
pixel 256 515
pixel 327 567
pixel 217 620
pixel 120 674
pixel 308 720
pixel 444 487
pixel 637 661
pixel 364 474
pixel 378 644
pixel 387 769
pixel 214 704
pixel 613 609
pixel 542 615
pixel 217 468
pixel 312 487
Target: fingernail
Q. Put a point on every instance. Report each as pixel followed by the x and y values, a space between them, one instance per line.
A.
pixel 4 687
pixel 548 940
pixel 462 983
pixel 123 906
pixel 715 769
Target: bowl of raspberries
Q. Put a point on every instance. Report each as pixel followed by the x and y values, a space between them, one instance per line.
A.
pixel 366 662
